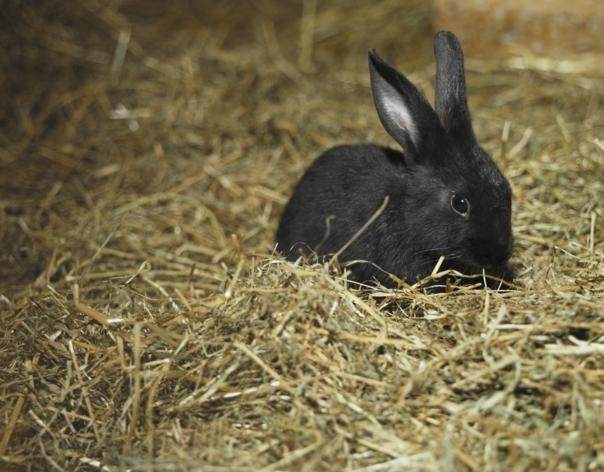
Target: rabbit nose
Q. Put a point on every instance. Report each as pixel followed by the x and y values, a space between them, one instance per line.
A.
pixel 509 241
pixel 503 249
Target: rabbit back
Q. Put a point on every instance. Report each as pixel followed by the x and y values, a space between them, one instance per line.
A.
pixel 337 195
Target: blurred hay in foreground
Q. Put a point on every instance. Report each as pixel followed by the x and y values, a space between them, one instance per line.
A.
pixel 144 319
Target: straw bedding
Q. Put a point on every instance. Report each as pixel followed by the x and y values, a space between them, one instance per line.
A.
pixel 146 321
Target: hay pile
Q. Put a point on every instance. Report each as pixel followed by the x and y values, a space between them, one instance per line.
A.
pixel 146 152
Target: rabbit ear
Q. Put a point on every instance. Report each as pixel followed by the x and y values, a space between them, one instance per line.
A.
pixel 402 109
pixel 451 104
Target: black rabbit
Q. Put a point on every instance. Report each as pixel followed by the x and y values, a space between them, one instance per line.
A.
pixel 443 196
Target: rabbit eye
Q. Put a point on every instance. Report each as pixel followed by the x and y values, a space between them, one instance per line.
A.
pixel 460 205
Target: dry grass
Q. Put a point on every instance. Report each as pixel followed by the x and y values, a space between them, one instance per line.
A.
pixel 145 320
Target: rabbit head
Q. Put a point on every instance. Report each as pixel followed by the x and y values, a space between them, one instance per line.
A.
pixel 457 201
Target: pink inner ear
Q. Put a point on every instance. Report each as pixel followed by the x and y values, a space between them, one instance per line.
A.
pixel 399 113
